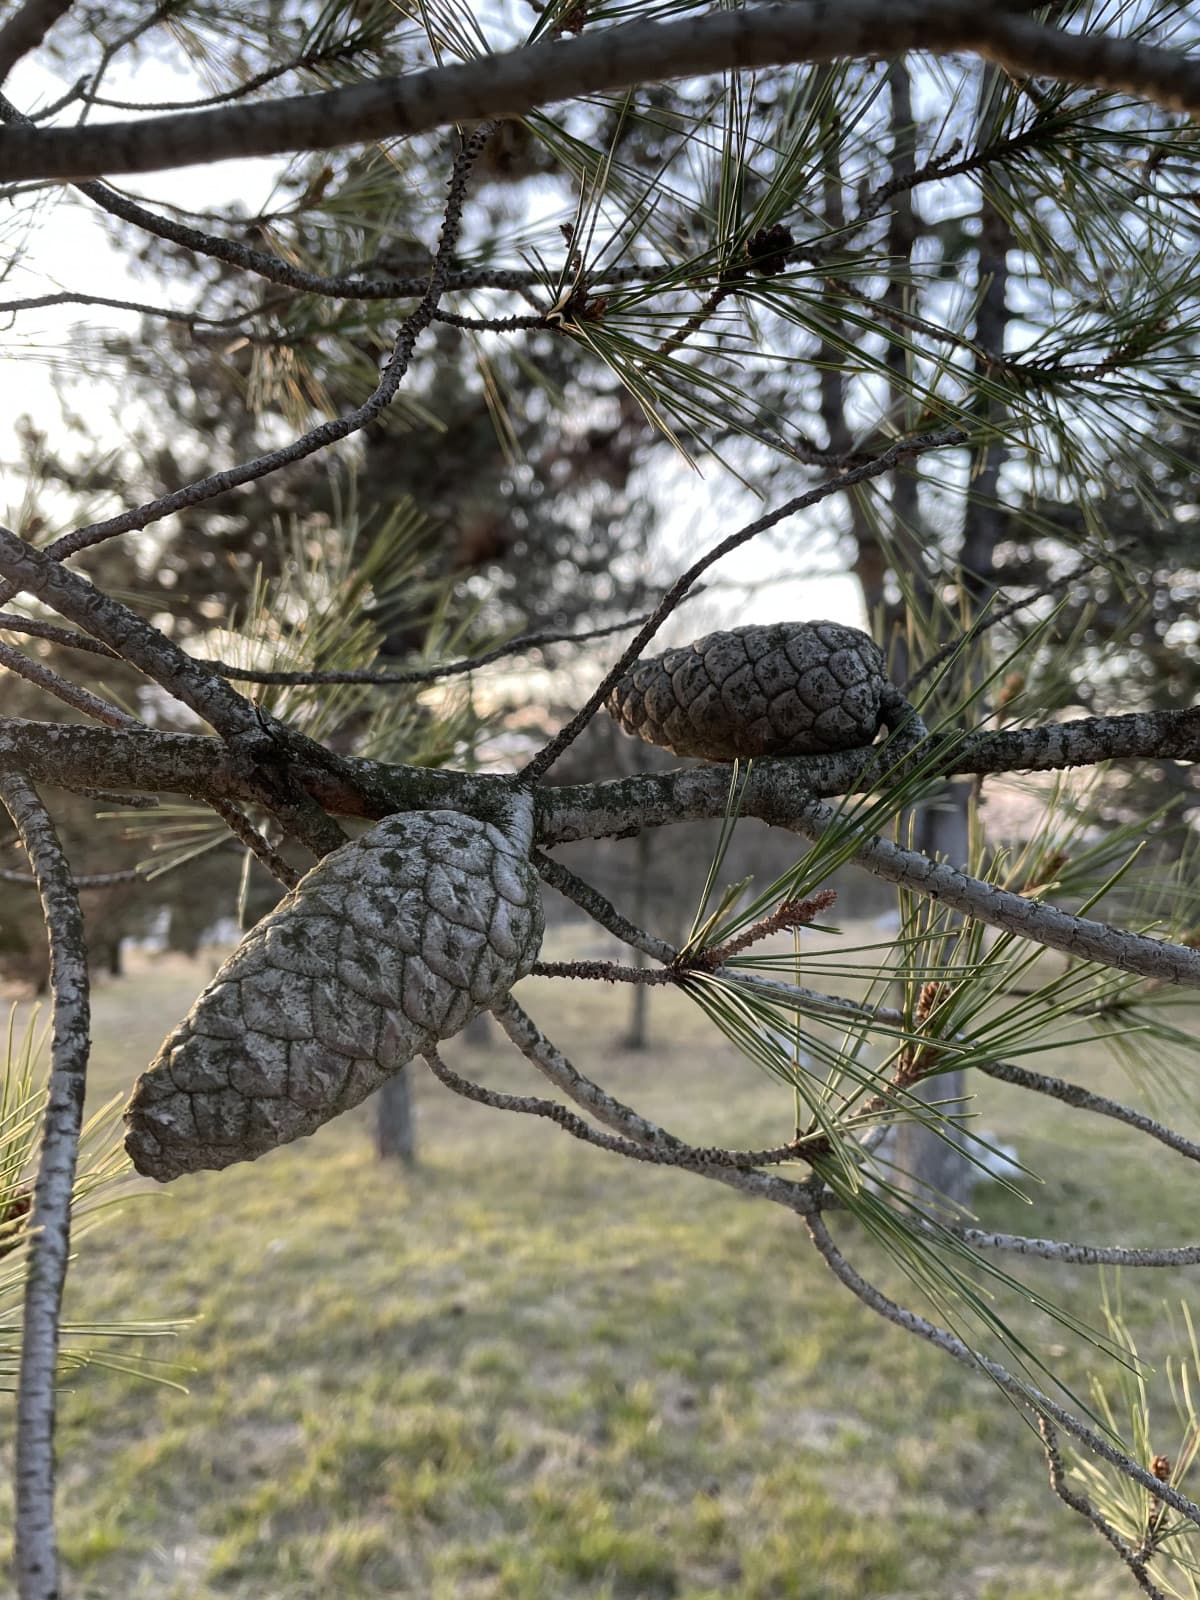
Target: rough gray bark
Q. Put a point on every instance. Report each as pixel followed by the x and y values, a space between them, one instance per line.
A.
pixel 604 60
pixel 83 759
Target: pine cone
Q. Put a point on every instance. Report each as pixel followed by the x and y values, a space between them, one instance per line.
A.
pixel 387 945
pixel 779 689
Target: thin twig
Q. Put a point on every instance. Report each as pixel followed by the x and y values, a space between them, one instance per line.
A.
pixel 606 972
pixel 684 1156
pixel 50 1217
pixel 450 669
pixel 994 618
pixel 1081 1504
pixel 1026 1393
pixel 71 694
pixel 241 826
pixel 326 433
pixel 83 880
pixel 1073 1094
pixel 601 910
pixel 65 297
pixel 342 51
pixel 630 1124
pixel 35 628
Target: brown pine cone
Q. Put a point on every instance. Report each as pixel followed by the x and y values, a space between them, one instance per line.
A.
pixel 774 689
pixel 388 945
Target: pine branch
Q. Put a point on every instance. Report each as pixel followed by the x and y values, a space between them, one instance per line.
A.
pixel 26 29
pixel 152 762
pixel 50 1218
pixel 1073 1094
pixel 1081 1504
pixel 775 786
pixel 1000 908
pixel 126 634
pixel 1026 1394
pixel 606 61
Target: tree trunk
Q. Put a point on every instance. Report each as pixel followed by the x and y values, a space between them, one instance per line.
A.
pixel 636 1038
pixel 478 1031
pixel 395 1139
pixel 929 1164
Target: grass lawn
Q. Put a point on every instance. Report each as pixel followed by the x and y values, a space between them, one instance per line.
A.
pixel 530 1372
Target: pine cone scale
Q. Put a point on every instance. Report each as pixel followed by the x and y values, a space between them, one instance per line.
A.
pixel 783 688
pixel 389 944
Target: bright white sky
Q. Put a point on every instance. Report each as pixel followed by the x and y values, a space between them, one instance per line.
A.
pixel 71 251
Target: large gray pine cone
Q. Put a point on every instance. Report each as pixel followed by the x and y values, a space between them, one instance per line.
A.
pixel 774 689
pixel 388 945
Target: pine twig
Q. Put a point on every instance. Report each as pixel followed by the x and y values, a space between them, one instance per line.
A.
pixel 1082 1255
pixel 1084 1507
pixel 688 1157
pixel 242 828
pixel 326 433
pixel 601 910
pixel 50 1217
pixel 71 694
pixel 1026 1394
pixel 1028 919
pixel 640 1130
pixel 1073 1094
pixel 35 628
pixel 450 669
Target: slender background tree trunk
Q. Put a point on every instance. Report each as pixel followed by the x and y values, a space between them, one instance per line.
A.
pixel 395 1136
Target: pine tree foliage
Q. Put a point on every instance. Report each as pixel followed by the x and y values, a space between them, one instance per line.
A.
pixel 915 281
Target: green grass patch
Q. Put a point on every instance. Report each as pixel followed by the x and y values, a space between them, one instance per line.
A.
pixel 529 1372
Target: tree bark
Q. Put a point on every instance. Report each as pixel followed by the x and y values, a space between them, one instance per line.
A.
pixel 636 1036
pixel 929 1165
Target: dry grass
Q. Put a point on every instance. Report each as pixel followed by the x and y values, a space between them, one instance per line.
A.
pixel 528 1372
